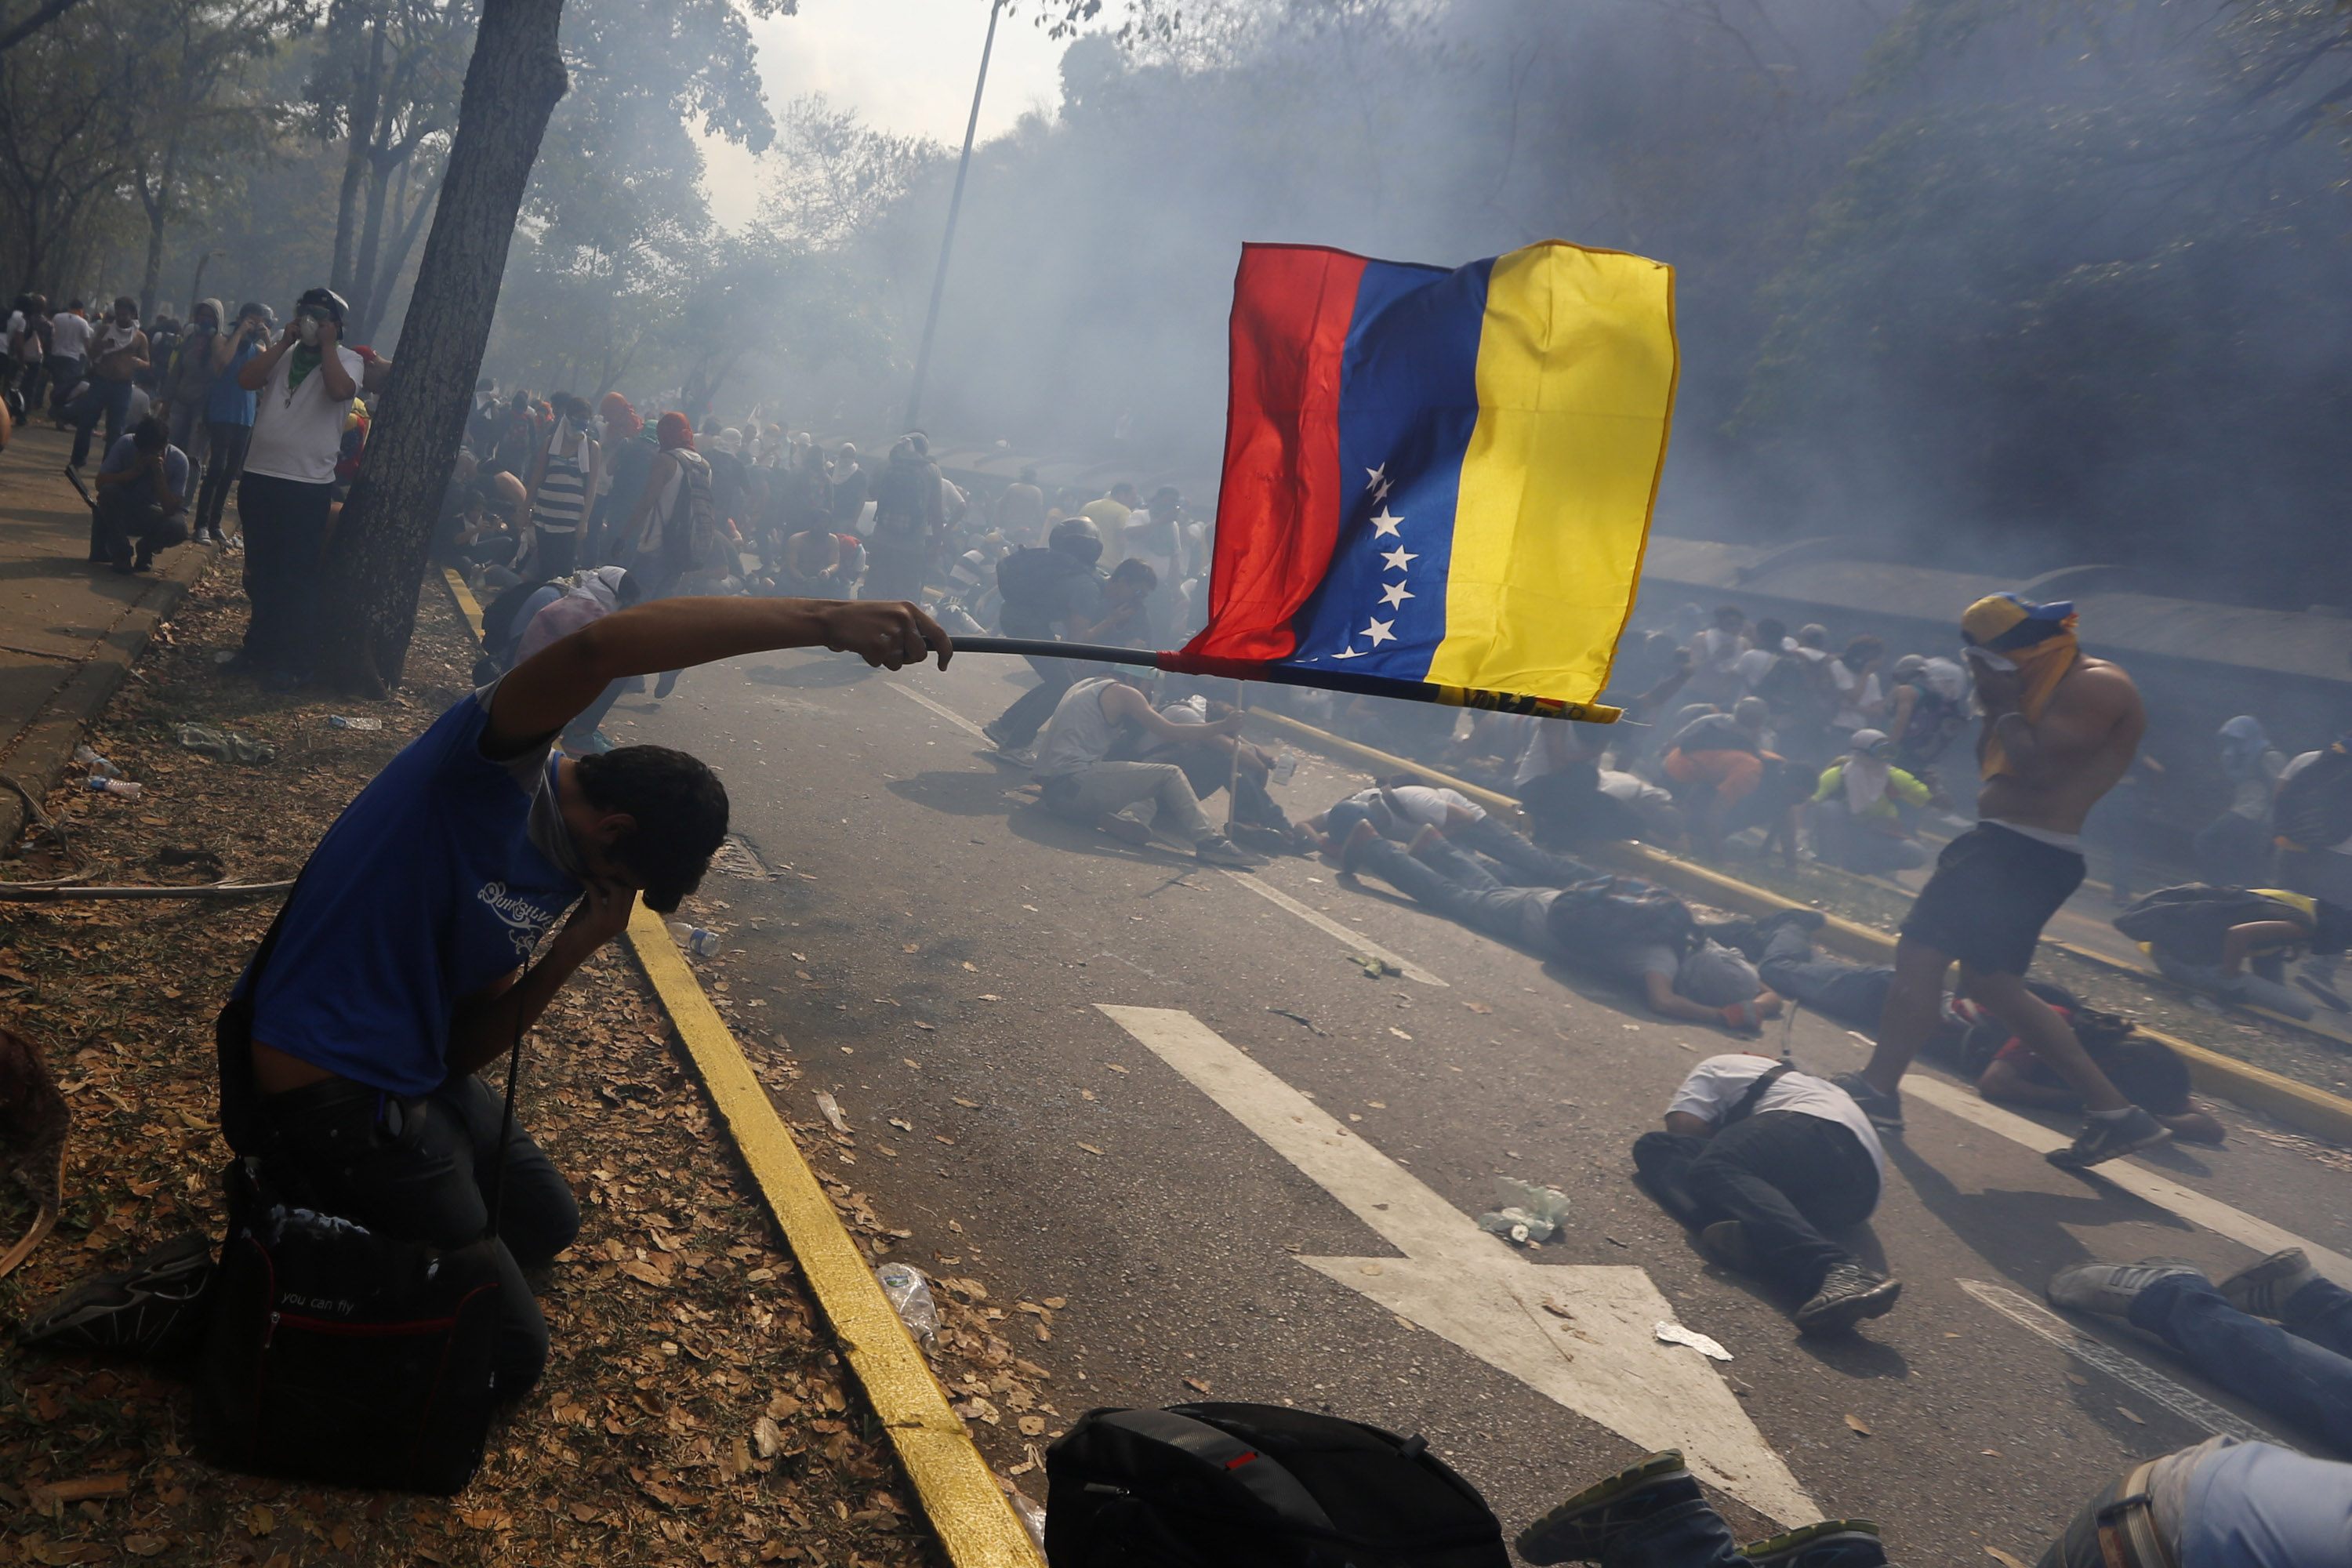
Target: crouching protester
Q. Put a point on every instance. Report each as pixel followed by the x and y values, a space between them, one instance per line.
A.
pixel 1761 1159
pixel 404 961
pixel 415 949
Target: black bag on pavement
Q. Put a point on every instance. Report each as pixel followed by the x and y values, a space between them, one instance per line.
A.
pixel 332 1353
pixel 335 1354
pixel 1257 1486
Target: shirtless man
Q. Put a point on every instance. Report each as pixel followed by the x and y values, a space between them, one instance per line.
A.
pixel 118 353
pixel 2059 728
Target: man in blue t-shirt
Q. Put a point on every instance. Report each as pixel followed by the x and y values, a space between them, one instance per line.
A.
pixel 142 499
pixel 404 961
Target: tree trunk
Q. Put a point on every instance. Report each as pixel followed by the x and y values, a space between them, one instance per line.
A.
pixel 377 563
pixel 159 214
pixel 361 292
pixel 379 303
pixel 360 116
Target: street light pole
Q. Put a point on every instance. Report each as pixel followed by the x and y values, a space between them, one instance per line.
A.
pixel 947 241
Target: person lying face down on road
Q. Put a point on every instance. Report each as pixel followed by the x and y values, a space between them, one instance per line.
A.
pixel 1972 1040
pixel 1618 927
pixel 1761 1159
pixel 1401 805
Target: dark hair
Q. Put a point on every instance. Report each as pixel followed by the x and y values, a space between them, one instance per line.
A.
pixel 1861 650
pixel 151 435
pixel 122 300
pixel 1734 611
pixel 680 809
pixel 2149 1074
pixel 1768 633
pixel 1133 571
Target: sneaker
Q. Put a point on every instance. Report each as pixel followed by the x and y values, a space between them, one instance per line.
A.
pixel 1217 849
pixel 1126 829
pixel 1725 1243
pixel 1849 1293
pixel 1578 1530
pixel 1857 1536
pixel 151 1308
pixel 2263 1288
pixel 1885 1111
pixel 2112 1288
pixel 2105 1137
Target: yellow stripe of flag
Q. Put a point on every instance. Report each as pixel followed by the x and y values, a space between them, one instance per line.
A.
pixel 1576 389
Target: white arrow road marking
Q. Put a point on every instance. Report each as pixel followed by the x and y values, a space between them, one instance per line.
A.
pixel 2166 1194
pixel 2192 1408
pixel 1459 1282
pixel 1330 927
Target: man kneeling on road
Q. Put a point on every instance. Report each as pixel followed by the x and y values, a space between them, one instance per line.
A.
pixel 404 960
pixel 1761 1159
pixel 1080 781
pixel 142 500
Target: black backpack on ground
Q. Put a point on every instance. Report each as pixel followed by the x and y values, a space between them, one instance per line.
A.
pixel 2315 808
pixel 332 1353
pixel 2190 920
pixel 1620 911
pixel 1257 1486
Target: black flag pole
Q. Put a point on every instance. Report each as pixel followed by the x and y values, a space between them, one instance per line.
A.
pixel 1287 675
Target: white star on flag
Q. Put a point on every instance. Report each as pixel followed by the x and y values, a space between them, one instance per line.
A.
pixel 1378 631
pixel 1349 653
pixel 1385 525
pixel 1379 492
pixel 1397 558
pixel 1376 477
pixel 1394 594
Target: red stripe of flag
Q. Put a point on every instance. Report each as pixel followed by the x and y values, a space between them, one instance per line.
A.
pixel 1278 506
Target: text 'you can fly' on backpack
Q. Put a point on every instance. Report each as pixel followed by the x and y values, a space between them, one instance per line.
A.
pixel 1257 1486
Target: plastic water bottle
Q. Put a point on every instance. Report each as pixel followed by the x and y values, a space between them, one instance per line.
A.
pixel 910 1293
pixel 695 939
pixel 101 785
pixel 1286 767
pixel 339 722
pixel 97 764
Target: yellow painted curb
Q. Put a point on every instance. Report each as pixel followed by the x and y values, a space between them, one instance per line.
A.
pixel 959 1494
pixel 2298 1105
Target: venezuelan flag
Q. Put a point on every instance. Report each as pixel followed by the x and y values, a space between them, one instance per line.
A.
pixel 1442 478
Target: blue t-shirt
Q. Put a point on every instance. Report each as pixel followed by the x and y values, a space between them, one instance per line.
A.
pixel 226 403
pixel 2255 1505
pixel 123 456
pixel 439 879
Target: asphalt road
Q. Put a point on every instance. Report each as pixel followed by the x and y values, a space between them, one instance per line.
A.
pixel 1256 1179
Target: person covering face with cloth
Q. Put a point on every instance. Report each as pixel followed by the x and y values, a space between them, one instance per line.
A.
pixel 417 942
pixel 2059 728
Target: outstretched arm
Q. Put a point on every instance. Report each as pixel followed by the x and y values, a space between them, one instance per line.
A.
pixel 555 685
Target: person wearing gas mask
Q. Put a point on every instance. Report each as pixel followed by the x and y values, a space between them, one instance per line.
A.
pixel 304 383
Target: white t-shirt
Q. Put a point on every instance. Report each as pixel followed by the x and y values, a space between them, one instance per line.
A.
pixel 68 335
pixel 1755 665
pixel 1424 803
pixel 2297 766
pixel 298 435
pixel 1860 700
pixel 1715 1085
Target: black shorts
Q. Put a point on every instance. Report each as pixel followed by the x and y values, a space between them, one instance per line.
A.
pixel 1992 892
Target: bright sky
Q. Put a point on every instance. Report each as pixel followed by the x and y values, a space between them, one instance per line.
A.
pixel 906 66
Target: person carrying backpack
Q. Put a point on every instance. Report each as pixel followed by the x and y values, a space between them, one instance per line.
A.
pixel 2235 942
pixel 1621 927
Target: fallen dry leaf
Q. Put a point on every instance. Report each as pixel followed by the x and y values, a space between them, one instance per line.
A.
pixel 1859 1425
pixel 2134 1418
pixel 767 1437
pixel 2003 1558
pixel 145 1545
pixel 1090 1148
pixel 1197 1386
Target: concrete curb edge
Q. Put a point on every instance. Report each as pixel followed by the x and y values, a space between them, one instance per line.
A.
pixel 2306 1110
pixel 958 1491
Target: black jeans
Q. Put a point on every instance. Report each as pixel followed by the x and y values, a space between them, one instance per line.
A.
pixel 128 529
pixel 1784 1175
pixel 1850 992
pixel 1018 725
pixel 225 447
pixel 285 523
pixel 419 1171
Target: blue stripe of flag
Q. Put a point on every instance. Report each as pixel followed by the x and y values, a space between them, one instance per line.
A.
pixel 1408 404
